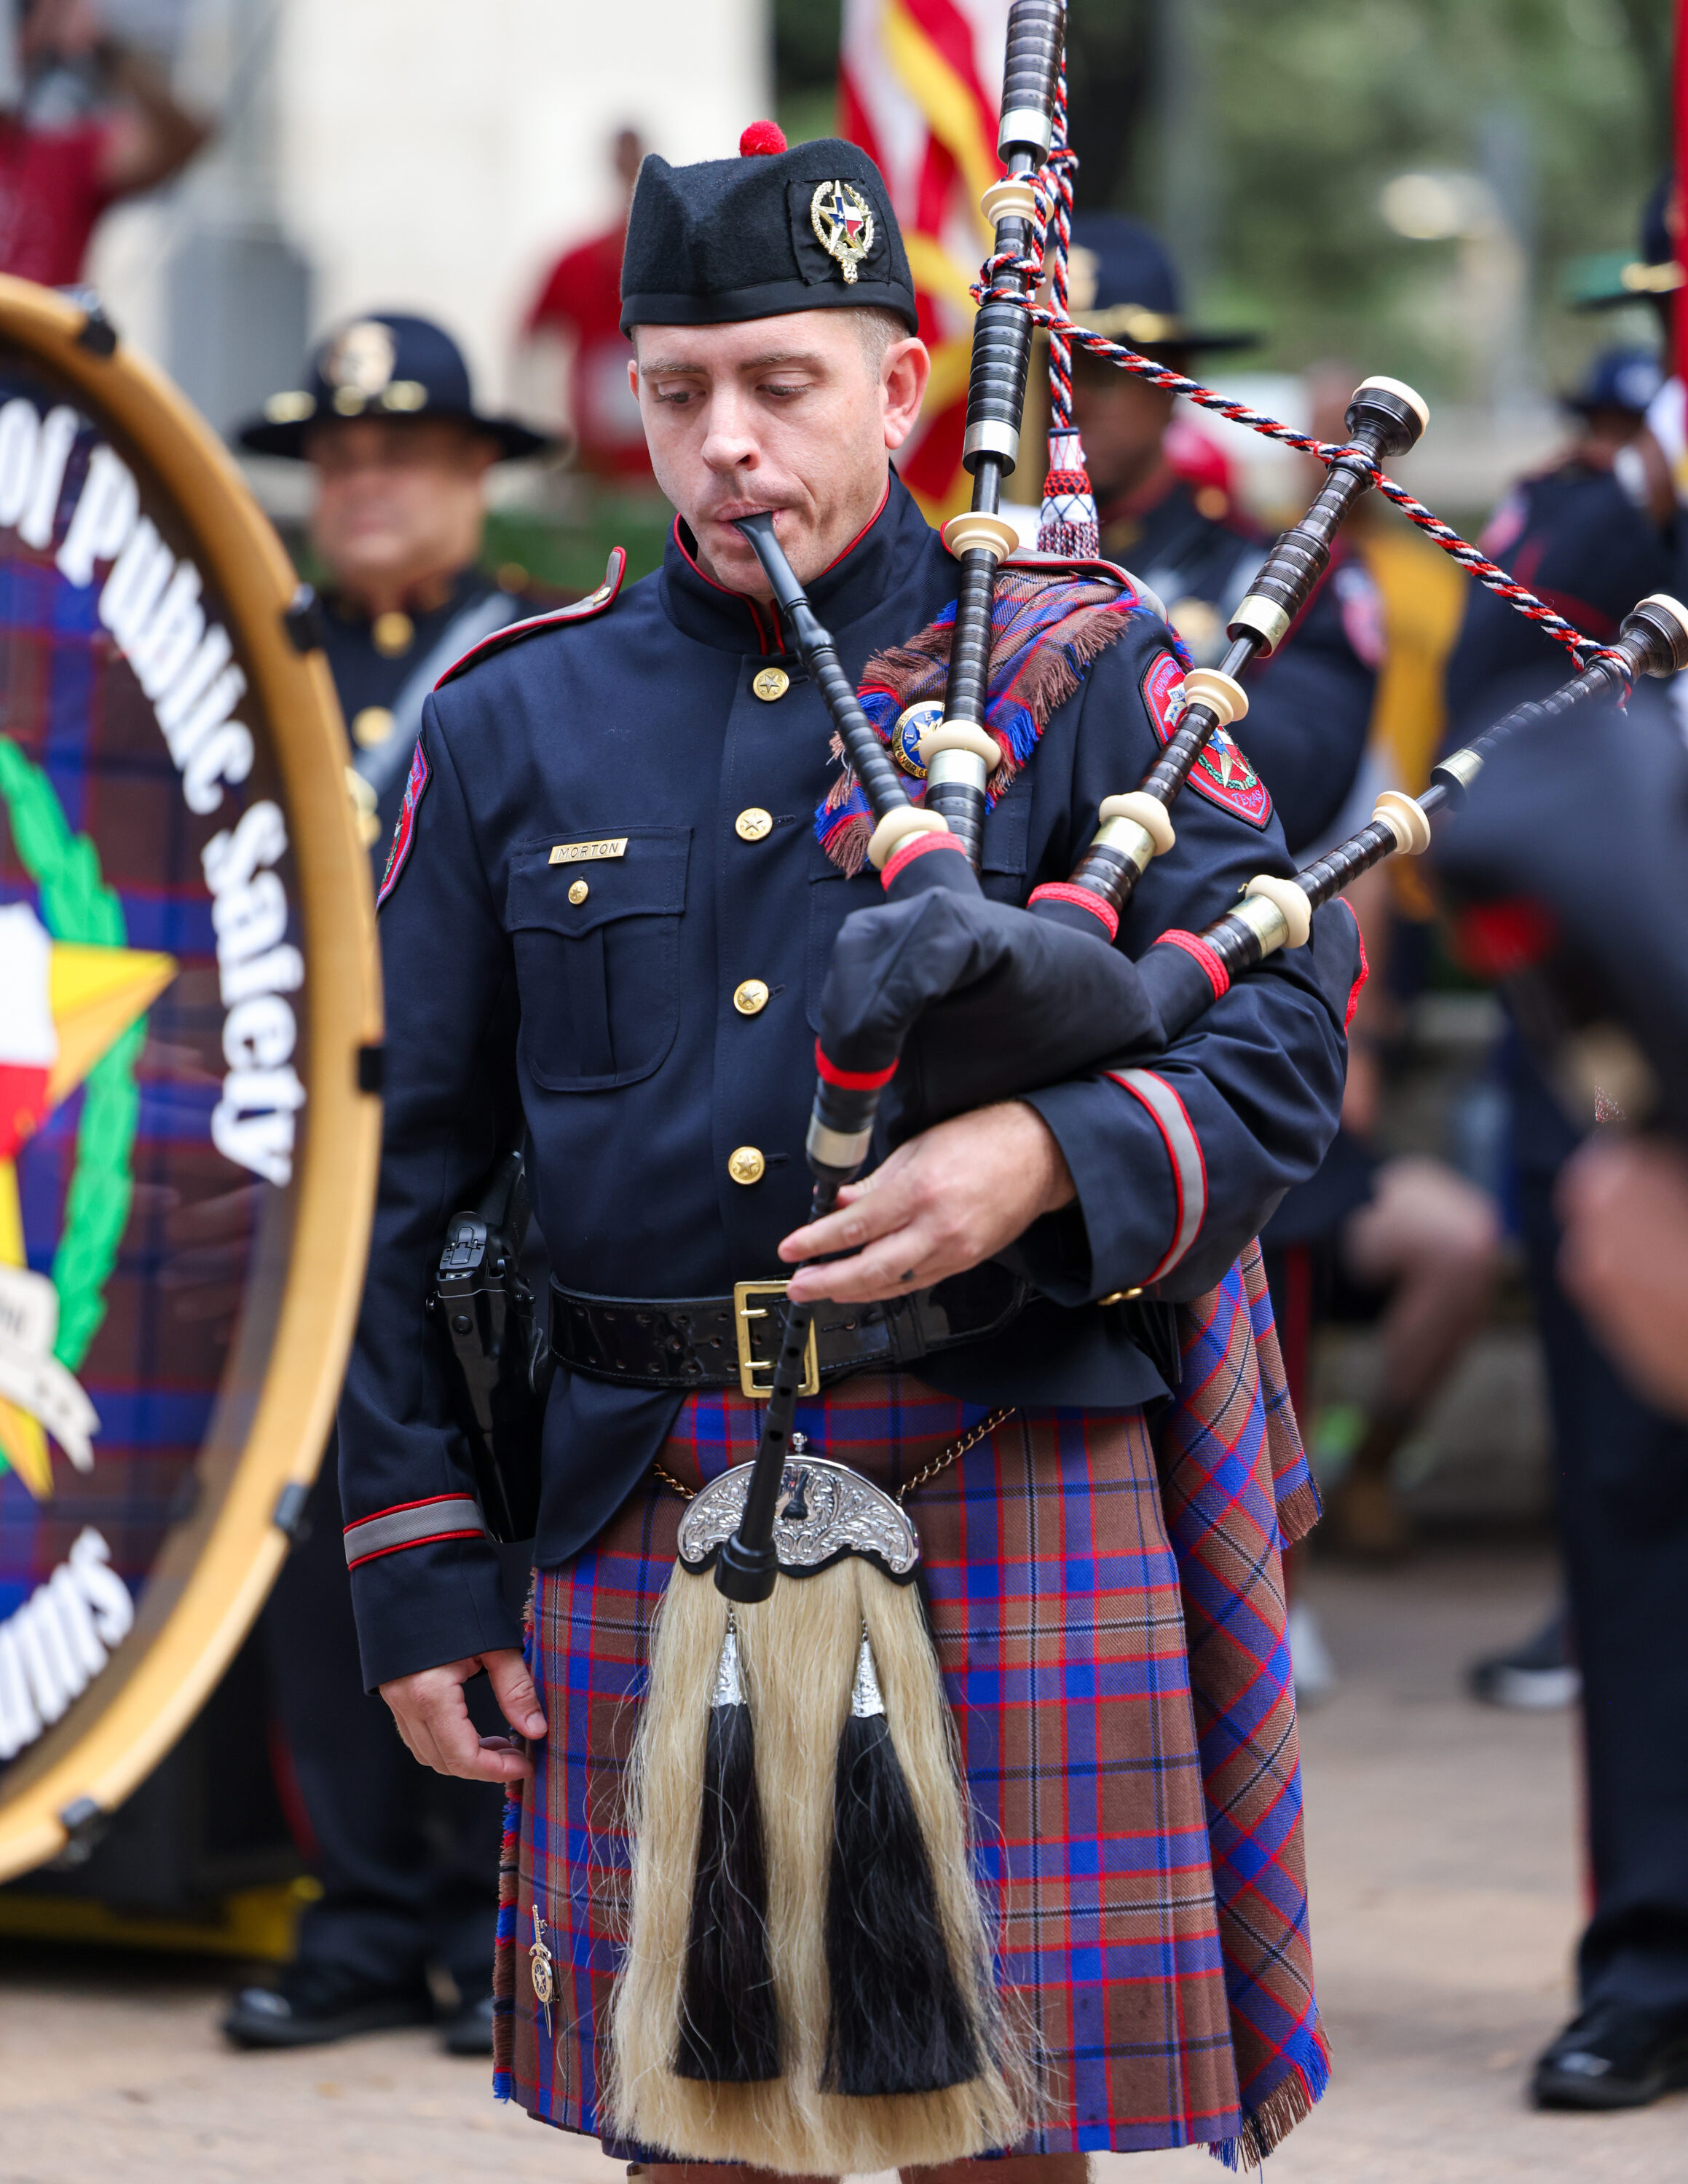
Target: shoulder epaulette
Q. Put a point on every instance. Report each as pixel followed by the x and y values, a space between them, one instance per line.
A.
pixel 586 610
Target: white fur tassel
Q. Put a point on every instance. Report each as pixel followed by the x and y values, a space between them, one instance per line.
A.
pixel 798 1653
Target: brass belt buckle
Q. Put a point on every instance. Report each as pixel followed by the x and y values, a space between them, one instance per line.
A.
pixel 743 1312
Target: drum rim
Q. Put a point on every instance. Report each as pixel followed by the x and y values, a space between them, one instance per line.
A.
pixel 112 1737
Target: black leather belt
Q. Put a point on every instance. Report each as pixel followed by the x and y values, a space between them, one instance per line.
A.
pixel 716 1342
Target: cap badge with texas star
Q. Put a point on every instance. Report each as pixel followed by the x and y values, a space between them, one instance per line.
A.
pixel 843 222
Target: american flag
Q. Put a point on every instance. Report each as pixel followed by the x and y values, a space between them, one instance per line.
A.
pixel 919 89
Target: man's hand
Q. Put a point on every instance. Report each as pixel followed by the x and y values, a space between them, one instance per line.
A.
pixel 434 1717
pixel 943 1202
pixel 1624 1259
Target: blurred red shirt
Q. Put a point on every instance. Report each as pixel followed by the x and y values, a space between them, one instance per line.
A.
pixel 51 195
pixel 582 299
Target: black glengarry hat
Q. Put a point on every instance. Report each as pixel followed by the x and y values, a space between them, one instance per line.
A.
pixel 770 232
pixel 385 364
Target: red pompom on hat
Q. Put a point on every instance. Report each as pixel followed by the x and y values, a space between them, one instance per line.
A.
pixel 764 137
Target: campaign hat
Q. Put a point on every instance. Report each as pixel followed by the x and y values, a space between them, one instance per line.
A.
pixel 1605 282
pixel 383 364
pixel 1619 379
pixel 1121 282
pixel 775 231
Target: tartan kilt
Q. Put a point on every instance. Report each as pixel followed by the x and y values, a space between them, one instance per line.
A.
pixel 1056 1604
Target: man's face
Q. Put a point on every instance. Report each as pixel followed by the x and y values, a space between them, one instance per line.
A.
pixel 397 500
pixel 794 414
pixel 1121 419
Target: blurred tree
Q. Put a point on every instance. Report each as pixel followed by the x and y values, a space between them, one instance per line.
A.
pixel 1260 135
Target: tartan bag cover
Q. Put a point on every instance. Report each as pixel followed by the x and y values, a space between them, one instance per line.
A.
pixel 1110 1628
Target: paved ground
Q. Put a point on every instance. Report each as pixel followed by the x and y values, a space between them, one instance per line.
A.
pixel 1445 1896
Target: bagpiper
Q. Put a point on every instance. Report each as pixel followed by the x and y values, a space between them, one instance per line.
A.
pixel 613 894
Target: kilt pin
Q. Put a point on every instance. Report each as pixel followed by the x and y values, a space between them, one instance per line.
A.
pixel 1105 1593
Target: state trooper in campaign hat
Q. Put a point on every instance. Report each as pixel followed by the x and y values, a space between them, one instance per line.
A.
pixel 388 421
pixel 611 901
pixel 1310 706
pixel 384 363
pixel 387 409
pixel 1652 275
pixel 1622 380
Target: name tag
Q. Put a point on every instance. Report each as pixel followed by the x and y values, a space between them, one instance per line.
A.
pixel 582 853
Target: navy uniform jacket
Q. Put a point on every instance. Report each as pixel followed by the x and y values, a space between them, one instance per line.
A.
pixel 370 680
pixel 1578 540
pixel 1310 706
pixel 611 1016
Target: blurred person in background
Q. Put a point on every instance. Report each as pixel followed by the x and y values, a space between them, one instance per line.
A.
pixel 84 123
pixel 1404 1243
pixel 1624 1262
pixel 1591 534
pixel 400 456
pixel 408 1864
pixel 1310 707
pixel 574 346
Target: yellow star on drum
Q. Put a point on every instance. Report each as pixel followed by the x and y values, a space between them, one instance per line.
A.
pixel 63 1005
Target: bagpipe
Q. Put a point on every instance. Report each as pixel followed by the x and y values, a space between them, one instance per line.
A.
pixel 882 2040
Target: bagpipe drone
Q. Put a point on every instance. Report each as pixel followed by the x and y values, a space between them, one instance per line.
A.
pixel 806 1661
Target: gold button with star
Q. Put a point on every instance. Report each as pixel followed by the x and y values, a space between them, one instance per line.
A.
pixel 745 1164
pixel 371 727
pixel 750 998
pixel 578 892
pixel 771 682
pixel 392 633
pixel 754 825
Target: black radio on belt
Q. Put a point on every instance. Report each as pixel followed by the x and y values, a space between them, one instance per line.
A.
pixel 500 1361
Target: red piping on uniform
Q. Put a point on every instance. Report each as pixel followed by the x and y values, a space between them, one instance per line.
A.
pixel 744 600
pixel 1064 891
pixel 913 846
pixel 395 1508
pixel 862 533
pixel 852 1080
pixel 1211 960
pixel 583 609
pixel 402 1546
pixel 1364 969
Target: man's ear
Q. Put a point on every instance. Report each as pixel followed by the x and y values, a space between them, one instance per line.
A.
pixel 903 374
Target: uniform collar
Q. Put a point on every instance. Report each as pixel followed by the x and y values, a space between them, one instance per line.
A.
pixel 865 573
pixel 438 596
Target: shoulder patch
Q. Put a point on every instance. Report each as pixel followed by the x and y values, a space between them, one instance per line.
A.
pixel 586 610
pixel 1221 773
pixel 403 833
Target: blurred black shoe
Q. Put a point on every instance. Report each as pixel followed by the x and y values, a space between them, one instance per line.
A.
pixel 468 2031
pixel 312 2004
pixel 1537 1677
pixel 1614 2056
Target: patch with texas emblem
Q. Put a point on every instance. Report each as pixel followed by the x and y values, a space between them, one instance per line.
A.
pixel 1221 773
pixel 405 833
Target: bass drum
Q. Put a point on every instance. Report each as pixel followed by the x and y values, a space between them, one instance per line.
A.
pixel 189 1047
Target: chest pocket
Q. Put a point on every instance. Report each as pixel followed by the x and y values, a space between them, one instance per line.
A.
pixel 598 975
pixel 832 897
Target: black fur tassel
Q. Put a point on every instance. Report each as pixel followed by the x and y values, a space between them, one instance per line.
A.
pixel 729 2025
pixel 899 2021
